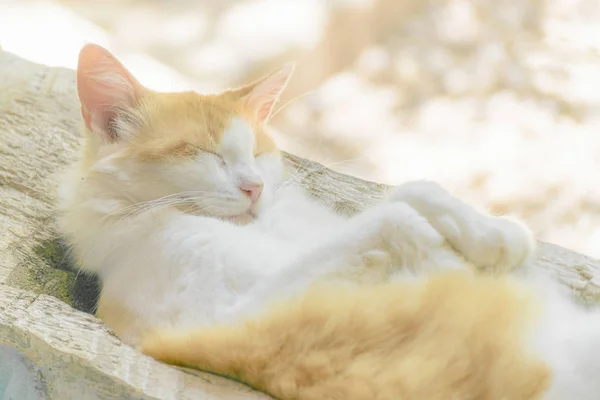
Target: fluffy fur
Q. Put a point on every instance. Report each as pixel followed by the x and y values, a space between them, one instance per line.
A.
pixel 181 205
pixel 388 341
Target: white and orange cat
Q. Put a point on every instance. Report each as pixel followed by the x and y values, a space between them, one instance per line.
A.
pixel 211 257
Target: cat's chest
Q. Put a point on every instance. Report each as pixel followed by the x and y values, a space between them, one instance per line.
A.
pixel 300 222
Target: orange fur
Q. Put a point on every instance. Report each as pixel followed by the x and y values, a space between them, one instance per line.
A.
pixel 454 336
pixel 176 125
pixel 121 320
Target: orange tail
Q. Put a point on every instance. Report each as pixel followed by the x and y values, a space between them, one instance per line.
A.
pixel 454 336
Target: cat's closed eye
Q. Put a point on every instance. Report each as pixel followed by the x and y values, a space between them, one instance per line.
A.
pixel 220 160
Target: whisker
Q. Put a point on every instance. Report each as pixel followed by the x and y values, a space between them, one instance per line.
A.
pixel 288 102
pixel 175 199
pixel 186 195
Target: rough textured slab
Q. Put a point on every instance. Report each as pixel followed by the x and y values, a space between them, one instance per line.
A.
pixel 76 355
pixel 79 358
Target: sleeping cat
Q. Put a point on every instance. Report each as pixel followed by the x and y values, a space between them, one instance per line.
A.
pixel 181 205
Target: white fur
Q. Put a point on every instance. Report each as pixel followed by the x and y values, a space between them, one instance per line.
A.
pixel 567 337
pixel 172 268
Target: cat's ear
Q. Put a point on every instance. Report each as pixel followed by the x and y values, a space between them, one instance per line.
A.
pixel 262 95
pixel 105 88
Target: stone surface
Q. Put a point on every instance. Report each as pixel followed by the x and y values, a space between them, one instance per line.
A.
pixel 75 354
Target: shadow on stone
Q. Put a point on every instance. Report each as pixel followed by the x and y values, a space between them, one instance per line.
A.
pixel 81 289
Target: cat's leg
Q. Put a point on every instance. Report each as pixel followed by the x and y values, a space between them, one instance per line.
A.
pixel 498 244
pixel 413 243
pixel 392 235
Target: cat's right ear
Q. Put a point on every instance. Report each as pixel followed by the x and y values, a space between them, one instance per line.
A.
pixel 105 89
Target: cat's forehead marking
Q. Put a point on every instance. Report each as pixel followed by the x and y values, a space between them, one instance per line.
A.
pixel 182 125
pixel 238 138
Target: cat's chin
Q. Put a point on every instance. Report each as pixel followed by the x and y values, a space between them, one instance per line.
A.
pixel 238 219
pixel 247 216
pixel 242 219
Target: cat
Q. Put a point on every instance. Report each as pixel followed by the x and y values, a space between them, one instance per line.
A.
pixel 180 203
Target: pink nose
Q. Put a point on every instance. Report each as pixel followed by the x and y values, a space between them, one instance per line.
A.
pixel 252 189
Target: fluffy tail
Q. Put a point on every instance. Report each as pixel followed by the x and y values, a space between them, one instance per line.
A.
pixel 452 337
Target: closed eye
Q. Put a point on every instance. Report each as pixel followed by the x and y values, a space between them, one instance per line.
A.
pixel 220 160
pixel 217 157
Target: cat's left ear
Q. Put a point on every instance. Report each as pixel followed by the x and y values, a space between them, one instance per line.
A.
pixel 261 96
pixel 106 89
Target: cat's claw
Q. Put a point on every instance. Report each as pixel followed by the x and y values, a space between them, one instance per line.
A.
pixel 492 243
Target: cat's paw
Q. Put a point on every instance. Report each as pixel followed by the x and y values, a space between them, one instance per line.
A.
pixel 411 240
pixel 496 244
pixel 399 224
pixel 492 243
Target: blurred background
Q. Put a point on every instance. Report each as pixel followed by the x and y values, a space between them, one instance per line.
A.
pixel 499 100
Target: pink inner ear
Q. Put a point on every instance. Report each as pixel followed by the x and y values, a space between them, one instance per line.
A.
pixel 265 93
pixel 105 87
pixel 265 110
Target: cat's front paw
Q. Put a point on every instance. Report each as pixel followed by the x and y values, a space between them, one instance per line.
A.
pixel 492 243
pixel 497 244
pixel 413 243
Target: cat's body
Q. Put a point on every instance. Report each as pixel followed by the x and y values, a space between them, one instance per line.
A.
pixel 242 266
pixel 451 336
pixel 180 204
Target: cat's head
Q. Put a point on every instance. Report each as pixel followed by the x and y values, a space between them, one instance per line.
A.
pixel 209 154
